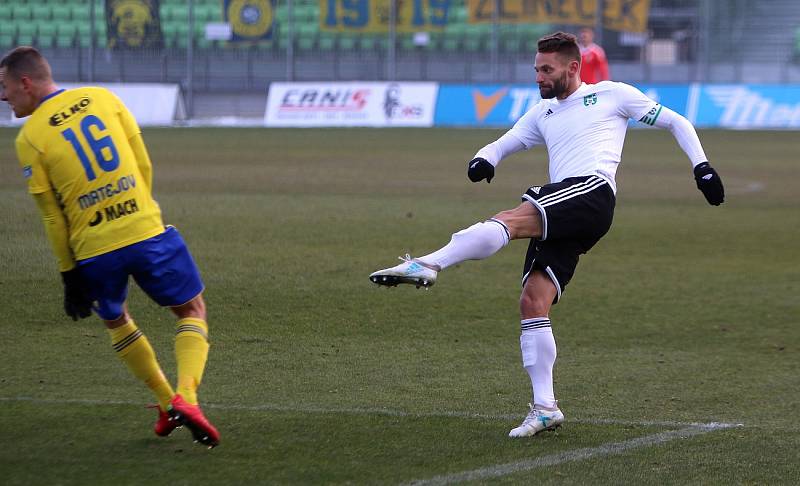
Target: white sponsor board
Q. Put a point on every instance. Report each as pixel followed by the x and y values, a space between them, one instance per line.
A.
pixel 151 104
pixel 351 104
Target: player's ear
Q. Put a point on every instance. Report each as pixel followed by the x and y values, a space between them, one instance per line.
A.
pixel 574 67
pixel 27 84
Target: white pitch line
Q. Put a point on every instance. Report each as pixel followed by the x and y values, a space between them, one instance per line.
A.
pixel 608 449
pixel 369 411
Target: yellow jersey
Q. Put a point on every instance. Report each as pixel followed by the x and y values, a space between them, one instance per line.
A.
pixel 78 144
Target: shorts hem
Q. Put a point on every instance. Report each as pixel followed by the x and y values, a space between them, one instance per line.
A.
pixel 541 211
pixel 202 289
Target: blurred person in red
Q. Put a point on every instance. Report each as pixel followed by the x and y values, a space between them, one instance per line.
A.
pixel 594 65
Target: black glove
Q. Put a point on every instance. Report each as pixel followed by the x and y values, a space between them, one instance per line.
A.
pixel 480 169
pixel 77 303
pixel 709 183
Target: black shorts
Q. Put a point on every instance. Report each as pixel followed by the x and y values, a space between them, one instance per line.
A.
pixel 576 213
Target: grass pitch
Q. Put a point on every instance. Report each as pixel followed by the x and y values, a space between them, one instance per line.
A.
pixel 684 313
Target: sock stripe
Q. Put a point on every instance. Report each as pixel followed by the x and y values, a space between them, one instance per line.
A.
pixel 192 328
pixel 535 323
pixel 127 340
pixel 502 225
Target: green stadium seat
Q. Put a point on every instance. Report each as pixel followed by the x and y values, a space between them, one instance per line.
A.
pixel 281 14
pixel 347 42
pixel 367 42
pixel 82 11
pixel 21 12
pixel 84 33
pixel 61 12
pixel 306 13
pixel 179 13
pixel 181 35
pixel 8 33
pixel 65 34
pixel 327 41
pixel 457 15
pixel 8 28
pixel 46 36
pixel 5 14
pixel 450 42
pixel 474 43
pixel 6 41
pixel 26 31
pixel 169 34
pixel 406 43
pixel 208 13
pixel 306 35
pixel 41 11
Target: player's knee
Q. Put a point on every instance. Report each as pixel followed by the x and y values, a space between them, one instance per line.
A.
pixel 534 305
pixel 194 308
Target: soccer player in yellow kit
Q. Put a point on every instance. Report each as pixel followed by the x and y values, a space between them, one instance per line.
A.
pixel 88 170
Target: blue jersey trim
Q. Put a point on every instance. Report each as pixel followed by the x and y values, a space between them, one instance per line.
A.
pixel 54 93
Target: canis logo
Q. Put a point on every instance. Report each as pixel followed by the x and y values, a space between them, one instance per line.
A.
pixel 395 109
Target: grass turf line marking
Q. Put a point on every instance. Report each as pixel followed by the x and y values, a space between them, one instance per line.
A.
pixel 607 449
pixel 268 407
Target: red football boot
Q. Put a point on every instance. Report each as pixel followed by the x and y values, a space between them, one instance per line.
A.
pixel 184 413
pixel 165 424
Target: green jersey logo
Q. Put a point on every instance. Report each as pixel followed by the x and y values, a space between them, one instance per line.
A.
pixel 590 99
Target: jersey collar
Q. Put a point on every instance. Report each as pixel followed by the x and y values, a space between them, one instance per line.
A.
pixel 574 94
pixel 51 95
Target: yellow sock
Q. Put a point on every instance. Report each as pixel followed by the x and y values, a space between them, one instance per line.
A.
pixel 134 349
pixel 191 351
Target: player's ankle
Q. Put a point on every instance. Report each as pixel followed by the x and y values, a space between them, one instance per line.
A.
pixel 434 267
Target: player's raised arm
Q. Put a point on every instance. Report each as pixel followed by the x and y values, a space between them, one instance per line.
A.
pixel 707 179
pixel 482 165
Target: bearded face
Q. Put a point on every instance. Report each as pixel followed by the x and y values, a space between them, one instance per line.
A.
pixel 554 88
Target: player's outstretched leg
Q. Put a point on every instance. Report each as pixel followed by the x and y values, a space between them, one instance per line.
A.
pixel 537 420
pixel 410 271
pixel 133 348
pixel 479 241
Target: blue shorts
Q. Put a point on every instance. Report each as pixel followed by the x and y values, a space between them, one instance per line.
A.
pixel 162 266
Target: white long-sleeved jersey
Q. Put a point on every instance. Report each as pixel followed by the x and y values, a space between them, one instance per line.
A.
pixel 584 133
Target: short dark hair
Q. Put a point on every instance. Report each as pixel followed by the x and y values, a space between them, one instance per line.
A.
pixel 563 43
pixel 26 61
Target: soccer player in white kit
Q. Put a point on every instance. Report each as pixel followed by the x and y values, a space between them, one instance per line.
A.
pixel 583 127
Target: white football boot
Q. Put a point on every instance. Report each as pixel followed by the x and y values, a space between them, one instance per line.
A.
pixel 537 421
pixel 408 272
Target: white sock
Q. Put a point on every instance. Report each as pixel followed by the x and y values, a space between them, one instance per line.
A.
pixel 481 240
pixel 538 357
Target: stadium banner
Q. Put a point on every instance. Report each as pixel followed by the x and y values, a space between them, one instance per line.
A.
pixel 350 104
pixel 133 24
pixel 619 15
pixel 250 20
pixel 491 105
pixel 370 16
pixel 745 106
pixel 497 105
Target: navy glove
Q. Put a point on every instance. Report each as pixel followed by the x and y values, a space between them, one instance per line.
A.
pixel 480 169
pixel 709 183
pixel 77 303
